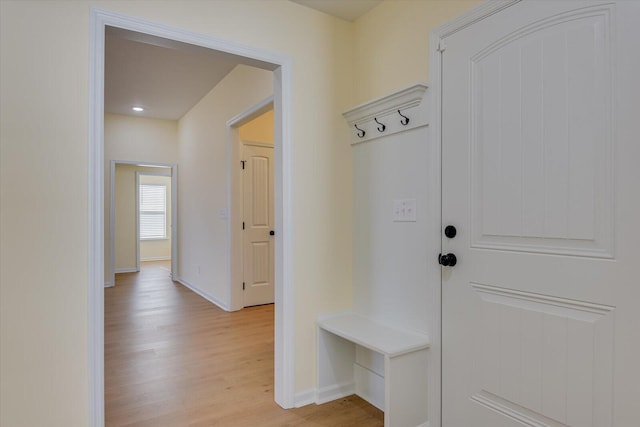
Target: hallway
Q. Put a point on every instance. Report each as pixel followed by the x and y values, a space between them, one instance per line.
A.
pixel 174 359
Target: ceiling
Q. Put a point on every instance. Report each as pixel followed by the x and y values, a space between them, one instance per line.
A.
pixel 349 10
pixel 167 78
pixel 164 77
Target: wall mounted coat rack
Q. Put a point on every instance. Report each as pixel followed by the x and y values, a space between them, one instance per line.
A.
pixel 397 112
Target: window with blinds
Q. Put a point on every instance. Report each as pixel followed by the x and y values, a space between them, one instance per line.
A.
pixel 153 211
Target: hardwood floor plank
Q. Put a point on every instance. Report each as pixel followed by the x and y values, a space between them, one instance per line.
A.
pixel 174 359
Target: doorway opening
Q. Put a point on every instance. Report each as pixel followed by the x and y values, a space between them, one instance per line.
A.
pixel 127 246
pixel 251 231
pixel 180 39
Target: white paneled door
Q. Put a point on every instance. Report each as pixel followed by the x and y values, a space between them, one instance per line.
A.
pixel 540 155
pixel 258 245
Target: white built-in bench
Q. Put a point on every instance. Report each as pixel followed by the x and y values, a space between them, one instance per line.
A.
pixel 405 365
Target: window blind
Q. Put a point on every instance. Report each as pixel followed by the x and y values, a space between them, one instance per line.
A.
pixel 153 211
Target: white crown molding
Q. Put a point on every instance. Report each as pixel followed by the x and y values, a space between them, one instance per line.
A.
pixel 385 110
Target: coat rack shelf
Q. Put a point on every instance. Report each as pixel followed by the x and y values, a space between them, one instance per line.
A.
pixel 396 112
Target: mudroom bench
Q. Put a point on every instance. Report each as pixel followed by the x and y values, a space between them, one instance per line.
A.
pixel 404 380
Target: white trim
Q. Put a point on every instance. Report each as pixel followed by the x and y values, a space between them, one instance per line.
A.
pixel 470 17
pixel 137 218
pixel 437 45
pixel 112 221
pixel 283 193
pixel 281 66
pixel 127 270
pixel 203 294
pixel 256 143
pixel 156 258
pixel 95 296
pixel 108 285
pixel 335 391
pixel 305 398
pixel 251 113
pixel 234 199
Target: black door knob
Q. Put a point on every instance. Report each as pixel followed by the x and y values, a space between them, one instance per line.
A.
pixel 448 260
pixel 272 233
pixel 450 231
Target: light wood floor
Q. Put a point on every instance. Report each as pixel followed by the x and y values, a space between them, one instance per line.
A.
pixel 174 359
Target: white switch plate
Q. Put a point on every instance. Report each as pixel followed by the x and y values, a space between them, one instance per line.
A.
pixel 404 210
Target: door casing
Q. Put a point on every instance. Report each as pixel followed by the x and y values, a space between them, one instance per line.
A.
pixel 434 304
pixel 284 313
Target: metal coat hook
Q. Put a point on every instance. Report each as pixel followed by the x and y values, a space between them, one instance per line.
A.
pixel 360 134
pixel 404 120
pixel 382 127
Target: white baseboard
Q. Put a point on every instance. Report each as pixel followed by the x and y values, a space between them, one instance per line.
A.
pixel 203 294
pixel 333 392
pixel 424 424
pixel 156 258
pixel 304 398
pixel 109 285
pixel 126 270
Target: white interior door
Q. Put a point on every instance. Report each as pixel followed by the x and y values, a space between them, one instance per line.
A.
pixel 258 247
pixel 540 152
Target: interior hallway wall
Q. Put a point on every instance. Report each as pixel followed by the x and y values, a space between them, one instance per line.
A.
pixel 203 245
pixel 260 129
pixel 136 139
pixel 391 44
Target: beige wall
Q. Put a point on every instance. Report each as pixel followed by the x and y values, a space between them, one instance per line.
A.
pixel 44 120
pixel 259 129
pixel 391 44
pixel 125 217
pixel 136 139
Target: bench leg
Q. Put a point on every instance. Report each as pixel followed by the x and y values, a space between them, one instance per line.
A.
pixel 406 390
pixel 335 367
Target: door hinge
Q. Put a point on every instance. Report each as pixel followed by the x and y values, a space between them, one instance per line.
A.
pixel 243 162
pixel 243 286
pixel 441 46
pixel 243 225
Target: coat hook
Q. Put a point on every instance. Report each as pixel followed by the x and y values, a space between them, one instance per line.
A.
pixel 404 120
pixel 382 127
pixel 360 134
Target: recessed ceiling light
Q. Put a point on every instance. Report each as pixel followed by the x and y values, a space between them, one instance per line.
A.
pixel 138 109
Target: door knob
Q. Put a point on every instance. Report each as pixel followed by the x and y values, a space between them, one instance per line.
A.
pixel 448 260
pixel 450 231
pixel 272 233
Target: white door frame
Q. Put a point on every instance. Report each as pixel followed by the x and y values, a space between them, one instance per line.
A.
pixel 173 225
pixel 112 215
pixel 234 194
pixel 434 305
pixel 284 312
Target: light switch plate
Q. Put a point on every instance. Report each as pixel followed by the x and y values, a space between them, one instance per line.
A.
pixel 404 210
